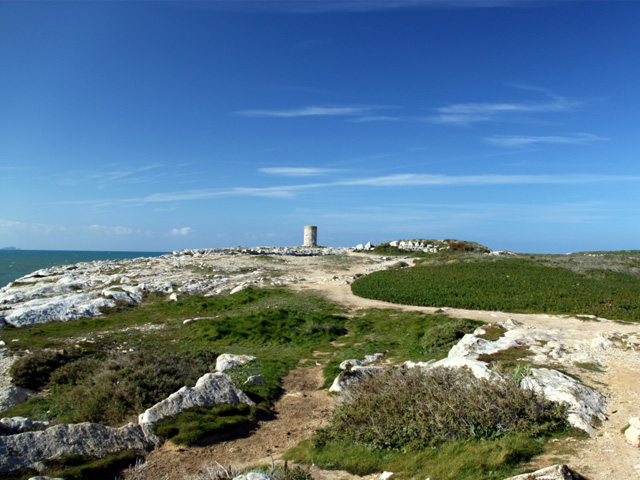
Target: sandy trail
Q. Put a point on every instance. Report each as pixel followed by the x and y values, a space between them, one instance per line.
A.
pixel 304 405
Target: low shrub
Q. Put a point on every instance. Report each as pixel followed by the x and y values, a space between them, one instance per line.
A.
pixel 34 371
pixel 110 390
pixel 413 409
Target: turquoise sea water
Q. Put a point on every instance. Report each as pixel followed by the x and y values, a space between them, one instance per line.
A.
pixel 17 263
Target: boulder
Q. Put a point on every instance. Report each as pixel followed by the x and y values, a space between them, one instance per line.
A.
pixel 254 476
pixel 25 449
pixel 555 472
pixel 211 389
pixel 11 396
pixel 254 379
pixel 585 404
pixel 227 361
pixel 21 424
pixel 349 377
pixel 632 433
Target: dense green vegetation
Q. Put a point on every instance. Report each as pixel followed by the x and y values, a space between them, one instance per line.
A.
pixel 508 284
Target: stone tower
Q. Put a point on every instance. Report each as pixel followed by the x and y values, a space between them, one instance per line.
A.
pixel 310 236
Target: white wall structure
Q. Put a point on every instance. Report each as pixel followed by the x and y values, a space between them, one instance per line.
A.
pixel 310 236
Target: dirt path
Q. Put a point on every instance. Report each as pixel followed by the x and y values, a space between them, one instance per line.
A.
pixel 299 411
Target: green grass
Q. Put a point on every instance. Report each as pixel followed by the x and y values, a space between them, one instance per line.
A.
pixel 401 335
pixel 468 459
pixel 77 467
pixel 192 425
pixel 508 284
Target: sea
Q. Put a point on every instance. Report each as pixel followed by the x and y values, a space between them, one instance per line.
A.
pixel 17 263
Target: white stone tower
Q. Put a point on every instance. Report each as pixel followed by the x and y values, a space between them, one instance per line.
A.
pixel 310 236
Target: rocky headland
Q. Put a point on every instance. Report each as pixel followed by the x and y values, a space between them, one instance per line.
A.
pixel 603 406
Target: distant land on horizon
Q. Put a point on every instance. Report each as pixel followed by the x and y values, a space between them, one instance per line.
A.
pixel 9 248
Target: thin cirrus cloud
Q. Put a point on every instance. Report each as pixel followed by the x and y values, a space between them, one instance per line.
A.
pixel 297 171
pixel 311 111
pixel 464 114
pixel 527 141
pixel 386 181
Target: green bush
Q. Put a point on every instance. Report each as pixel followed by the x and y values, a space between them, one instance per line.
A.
pixel 413 409
pixel 34 371
pixel 111 390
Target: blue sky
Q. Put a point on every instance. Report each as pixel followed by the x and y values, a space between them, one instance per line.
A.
pixel 157 126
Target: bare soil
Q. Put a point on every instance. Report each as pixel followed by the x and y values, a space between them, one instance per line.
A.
pixel 304 405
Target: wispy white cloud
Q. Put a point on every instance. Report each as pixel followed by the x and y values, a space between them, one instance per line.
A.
pixel 116 174
pixel 181 232
pixel 312 111
pixel 445 214
pixel 44 229
pixel 525 141
pixel 463 114
pixel 108 230
pixel 297 171
pixel 376 118
pixel 384 181
pixel 417 179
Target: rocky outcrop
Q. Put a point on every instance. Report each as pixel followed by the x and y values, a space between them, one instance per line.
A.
pixel 25 449
pixel 585 404
pixel 211 388
pixel 87 289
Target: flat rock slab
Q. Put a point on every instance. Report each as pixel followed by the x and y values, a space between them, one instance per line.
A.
pixel 25 449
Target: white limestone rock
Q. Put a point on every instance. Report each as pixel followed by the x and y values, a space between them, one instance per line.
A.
pixel 211 389
pixel 22 424
pixel 61 308
pixel 555 472
pixel 25 449
pixel 632 433
pixel 254 476
pixel 585 404
pixel 254 379
pixel 227 361
pixel 478 369
pixel 11 396
pixel 349 377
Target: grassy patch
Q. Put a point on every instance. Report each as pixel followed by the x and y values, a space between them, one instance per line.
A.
pixel 401 335
pixel 129 360
pixel 508 284
pixel 493 332
pixel 592 367
pixel 468 459
pixel 77 467
pixel 192 425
